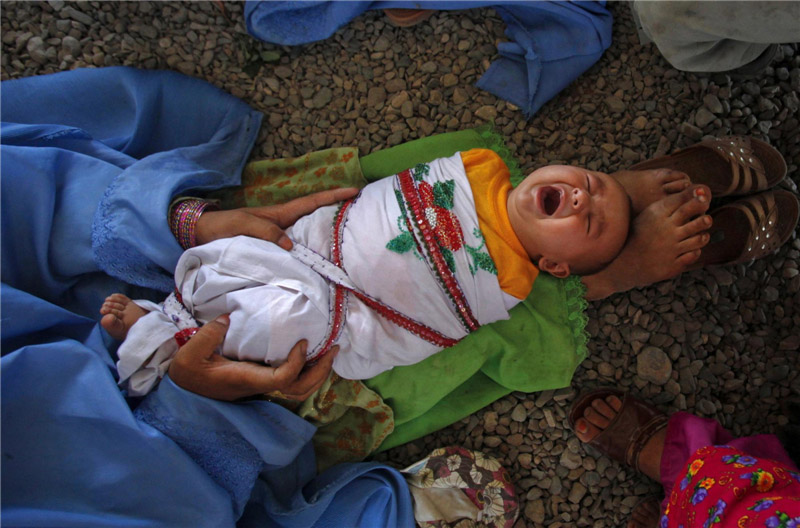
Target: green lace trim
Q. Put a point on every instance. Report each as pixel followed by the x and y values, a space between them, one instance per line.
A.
pixel 575 293
pixel 496 142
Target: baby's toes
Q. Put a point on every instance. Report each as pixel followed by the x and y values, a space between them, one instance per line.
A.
pixel 118 298
pixel 114 326
pixel 111 307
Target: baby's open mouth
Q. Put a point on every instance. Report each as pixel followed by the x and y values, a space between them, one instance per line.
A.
pixel 550 200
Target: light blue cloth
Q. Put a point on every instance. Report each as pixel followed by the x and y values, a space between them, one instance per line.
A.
pixel 90 161
pixel 551 43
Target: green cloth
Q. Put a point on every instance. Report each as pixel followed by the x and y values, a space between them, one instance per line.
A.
pixel 538 348
pixel 275 181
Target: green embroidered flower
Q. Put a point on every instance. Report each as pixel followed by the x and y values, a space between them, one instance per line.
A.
pixel 438 201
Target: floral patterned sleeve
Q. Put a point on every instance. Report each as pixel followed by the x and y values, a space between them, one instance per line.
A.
pixel 724 487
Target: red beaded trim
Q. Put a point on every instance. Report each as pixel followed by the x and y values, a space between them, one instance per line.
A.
pixel 420 330
pixel 446 277
pixel 338 304
pixel 336 326
pixel 183 336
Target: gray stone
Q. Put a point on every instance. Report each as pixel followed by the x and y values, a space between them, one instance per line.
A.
pixel 703 117
pixel 76 15
pixel 322 98
pixel 577 492
pixel 535 512
pixel 653 365
pixel 519 414
pixel 615 104
pixel 487 112
pixel 713 103
pixel 376 96
pixel 570 460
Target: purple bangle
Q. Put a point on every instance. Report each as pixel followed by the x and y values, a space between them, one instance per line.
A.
pixel 183 220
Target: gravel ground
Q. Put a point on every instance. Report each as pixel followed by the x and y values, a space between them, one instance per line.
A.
pixel 720 343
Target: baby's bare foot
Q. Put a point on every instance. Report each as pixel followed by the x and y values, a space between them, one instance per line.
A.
pixel 119 315
pixel 598 416
pixel 646 187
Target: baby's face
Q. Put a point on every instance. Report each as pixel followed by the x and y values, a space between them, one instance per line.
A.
pixel 569 219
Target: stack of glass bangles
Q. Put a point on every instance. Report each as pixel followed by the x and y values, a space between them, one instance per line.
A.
pixel 183 216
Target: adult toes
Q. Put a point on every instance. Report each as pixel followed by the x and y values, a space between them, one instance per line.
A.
pixel 695 202
pixel 671 175
pixel 694 243
pixel 675 182
pixel 585 430
pixel 696 226
pixel 687 259
pixel 614 403
pixel 597 418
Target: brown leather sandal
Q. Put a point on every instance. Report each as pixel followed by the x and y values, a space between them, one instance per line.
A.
pixel 750 228
pixel 645 514
pixel 407 17
pixel 730 166
pixel 628 432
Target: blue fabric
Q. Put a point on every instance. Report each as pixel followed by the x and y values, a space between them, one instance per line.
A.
pixel 90 161
pixel 551 43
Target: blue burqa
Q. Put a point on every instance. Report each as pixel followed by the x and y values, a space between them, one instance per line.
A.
pixel 550 43
pixel 90 161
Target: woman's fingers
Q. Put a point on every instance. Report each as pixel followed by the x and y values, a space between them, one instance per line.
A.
pixel 288 213
pixel 204 343
pixel 299 383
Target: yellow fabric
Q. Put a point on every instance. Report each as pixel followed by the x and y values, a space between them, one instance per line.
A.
pixel 490 181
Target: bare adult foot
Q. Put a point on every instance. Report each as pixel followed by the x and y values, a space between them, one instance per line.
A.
pixel 597 417
pixel 646 187
pixel 645 514
pixel 119 315
pixel 666 239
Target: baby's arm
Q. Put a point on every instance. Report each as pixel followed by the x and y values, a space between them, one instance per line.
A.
pixel 665 240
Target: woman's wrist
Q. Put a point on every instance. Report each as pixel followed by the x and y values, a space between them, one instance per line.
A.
pixel 183 216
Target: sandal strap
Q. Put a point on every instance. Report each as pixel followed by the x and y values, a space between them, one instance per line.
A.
pixel 645 433
pixel 747 170
pixel 762 215
pixel 625 437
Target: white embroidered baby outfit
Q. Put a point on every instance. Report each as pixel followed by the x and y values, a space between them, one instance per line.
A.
pixel 391 277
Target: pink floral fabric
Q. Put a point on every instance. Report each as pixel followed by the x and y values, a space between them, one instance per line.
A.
pixel 723 487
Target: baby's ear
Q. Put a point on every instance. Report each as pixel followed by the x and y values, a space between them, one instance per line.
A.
pixel 556 269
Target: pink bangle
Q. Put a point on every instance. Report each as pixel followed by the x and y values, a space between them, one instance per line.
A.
pixel 183 220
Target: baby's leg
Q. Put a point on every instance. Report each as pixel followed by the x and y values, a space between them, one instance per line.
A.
pixel 119 314
pixel 646 187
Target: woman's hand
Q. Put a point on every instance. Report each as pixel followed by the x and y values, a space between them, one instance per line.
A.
pixel 199 369
pixel 266 222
